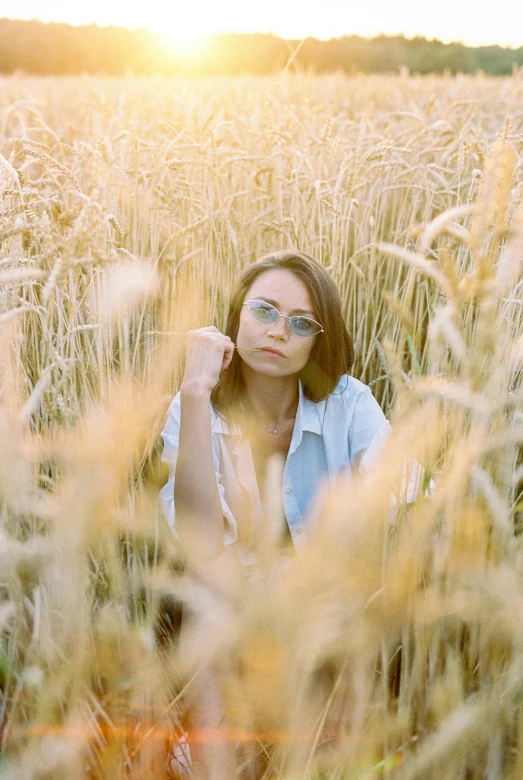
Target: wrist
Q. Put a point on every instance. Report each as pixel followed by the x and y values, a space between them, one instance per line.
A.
pixel 195 389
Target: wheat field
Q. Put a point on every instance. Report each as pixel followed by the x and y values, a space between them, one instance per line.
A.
pixel 392 647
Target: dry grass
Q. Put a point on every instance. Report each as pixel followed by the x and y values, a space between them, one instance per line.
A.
pixel 127 209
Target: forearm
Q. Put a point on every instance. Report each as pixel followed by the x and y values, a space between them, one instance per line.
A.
pixel 199 517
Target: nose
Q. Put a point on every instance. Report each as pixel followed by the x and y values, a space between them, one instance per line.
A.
pixel 280 328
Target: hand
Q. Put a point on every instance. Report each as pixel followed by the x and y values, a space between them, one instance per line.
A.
pixel 208 352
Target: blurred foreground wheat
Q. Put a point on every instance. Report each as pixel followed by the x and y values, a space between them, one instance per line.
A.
pixel 392 647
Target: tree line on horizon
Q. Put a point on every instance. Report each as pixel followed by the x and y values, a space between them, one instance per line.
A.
pixel 56 48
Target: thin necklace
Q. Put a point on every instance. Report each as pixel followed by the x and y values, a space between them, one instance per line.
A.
pixel 270 430
pixel 274 431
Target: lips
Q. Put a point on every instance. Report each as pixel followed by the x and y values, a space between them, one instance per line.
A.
pixel 272 351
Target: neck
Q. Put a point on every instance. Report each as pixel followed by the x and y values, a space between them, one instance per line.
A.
pixel 273 399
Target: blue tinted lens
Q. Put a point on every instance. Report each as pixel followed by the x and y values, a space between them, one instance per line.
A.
pixel 263 312
pixel 303 326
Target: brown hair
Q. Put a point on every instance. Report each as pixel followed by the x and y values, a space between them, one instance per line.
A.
pixel 333 351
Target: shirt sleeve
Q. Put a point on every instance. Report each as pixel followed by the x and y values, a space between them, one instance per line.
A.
pixel 368 432
pixel 171 438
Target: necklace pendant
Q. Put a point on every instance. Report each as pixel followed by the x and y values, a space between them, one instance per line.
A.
pixel 270 430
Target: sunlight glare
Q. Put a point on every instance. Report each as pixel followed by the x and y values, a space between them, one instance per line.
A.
pixel 183 41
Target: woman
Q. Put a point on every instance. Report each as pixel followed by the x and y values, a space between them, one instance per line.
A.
pixel 275 382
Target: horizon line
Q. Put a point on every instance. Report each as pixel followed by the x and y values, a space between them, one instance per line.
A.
pixel 421 36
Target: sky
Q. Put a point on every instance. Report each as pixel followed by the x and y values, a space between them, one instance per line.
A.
pixel 184 21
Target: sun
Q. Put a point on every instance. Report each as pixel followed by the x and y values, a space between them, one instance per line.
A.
pixel 183 41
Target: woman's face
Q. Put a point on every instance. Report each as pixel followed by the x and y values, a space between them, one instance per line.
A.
pixel 290 296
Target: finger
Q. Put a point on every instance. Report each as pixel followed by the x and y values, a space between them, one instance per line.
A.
pixel 228 355
pixel 210 329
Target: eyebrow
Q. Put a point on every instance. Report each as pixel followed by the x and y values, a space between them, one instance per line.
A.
pixel 276 304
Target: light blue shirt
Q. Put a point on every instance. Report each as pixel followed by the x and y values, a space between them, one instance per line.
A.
pixel 341 434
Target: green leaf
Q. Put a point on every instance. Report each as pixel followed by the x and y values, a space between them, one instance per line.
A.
pixel 412 351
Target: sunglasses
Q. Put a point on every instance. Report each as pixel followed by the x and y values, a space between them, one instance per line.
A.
pixel 266 313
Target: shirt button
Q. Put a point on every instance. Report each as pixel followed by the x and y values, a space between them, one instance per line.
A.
pixel 299 531
pixel 288 490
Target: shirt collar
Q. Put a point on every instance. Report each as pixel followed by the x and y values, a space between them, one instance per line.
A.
pixel 220 425
pixel 308 417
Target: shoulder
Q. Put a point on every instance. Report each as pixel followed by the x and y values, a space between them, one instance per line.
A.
pixel 349 385
pixel 353 401
pixel 349 391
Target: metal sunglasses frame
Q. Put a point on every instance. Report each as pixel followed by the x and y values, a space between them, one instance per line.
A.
pixel 292 317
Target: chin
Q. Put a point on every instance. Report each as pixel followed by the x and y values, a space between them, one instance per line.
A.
pixel 266 370
pixel 275 371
